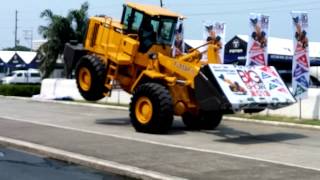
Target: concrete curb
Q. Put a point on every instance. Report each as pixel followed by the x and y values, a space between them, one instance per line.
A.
pixel 88 161
pixel 68 102
pixel 273 123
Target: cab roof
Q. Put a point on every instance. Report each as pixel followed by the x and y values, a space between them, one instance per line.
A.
pixel 153 10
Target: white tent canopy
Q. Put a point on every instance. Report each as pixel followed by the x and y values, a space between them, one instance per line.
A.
pixel 283 46
pixel 279 46
pixel 26 56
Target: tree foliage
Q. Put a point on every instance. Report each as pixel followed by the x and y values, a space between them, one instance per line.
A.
pixel 58 31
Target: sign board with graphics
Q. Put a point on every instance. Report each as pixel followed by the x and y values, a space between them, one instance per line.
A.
pixel 252 87
pixel 301 61
pixel 258 40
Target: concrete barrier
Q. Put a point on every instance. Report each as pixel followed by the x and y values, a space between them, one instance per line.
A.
pixel 67 89
pixel 59 88
pixel 310 107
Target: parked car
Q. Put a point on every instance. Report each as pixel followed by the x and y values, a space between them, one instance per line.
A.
pixel 31 76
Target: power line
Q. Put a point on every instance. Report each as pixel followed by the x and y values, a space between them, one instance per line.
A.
pixel 241 2
pixel 221 3
pixel 264 9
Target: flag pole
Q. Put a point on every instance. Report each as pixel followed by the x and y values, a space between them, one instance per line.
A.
pixel 300 114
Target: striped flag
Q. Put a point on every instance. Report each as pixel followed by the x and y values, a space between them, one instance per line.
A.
pixel 300 61
pixel 258 40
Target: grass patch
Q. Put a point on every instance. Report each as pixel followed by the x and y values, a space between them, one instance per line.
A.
pixel 277 118
pixel 22 90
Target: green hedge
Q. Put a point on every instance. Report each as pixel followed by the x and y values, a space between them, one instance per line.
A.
pixel 19 90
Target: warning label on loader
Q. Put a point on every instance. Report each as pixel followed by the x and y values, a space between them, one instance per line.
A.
pixel 255 87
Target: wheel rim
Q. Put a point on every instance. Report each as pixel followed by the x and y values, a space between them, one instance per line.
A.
pixel 84 78
pixel 143 110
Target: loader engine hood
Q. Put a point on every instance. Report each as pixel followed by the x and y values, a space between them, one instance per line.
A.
pixel 235 88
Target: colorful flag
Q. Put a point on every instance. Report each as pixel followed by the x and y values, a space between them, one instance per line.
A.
pixel 178 46
pixel 215 32
pixel 258 40
pixel 300 61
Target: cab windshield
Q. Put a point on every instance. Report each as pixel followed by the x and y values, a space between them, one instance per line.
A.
pixel 165 30
pixel 163 27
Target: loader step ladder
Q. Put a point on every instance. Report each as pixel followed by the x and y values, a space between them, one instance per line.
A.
pixel 111 74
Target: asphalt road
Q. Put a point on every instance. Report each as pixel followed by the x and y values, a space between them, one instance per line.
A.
pixel 16 165
pixel 236 150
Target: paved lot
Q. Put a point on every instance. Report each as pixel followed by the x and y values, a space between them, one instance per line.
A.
pixel 235 150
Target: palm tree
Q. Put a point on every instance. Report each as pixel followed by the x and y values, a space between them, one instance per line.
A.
pixel 79 18
pixel 59 31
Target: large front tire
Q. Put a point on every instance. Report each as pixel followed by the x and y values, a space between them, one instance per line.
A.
pixel 90 78
pixel 151 109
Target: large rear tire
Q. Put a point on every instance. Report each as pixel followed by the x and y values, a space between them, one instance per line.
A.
pixel 90 78
pixel 211 120
pixel 151 109
pixel 203 120
pixel 192 121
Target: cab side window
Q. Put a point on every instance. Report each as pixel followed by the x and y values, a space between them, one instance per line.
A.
pixel 137 21
pixel 126 17
pixel 132 20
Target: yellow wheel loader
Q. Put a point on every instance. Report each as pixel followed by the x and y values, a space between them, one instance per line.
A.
pixel 135 54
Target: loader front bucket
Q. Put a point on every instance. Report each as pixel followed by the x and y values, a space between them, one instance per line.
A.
pixel 235 88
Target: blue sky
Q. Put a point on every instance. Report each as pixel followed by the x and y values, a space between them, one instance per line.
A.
pixel 233 12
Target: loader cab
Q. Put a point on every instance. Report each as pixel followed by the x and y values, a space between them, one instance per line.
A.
pixel 149 25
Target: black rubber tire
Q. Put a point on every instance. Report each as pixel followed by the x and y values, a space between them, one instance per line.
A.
pixel 211 120
pixel 192 121
pixel 162 115
pixel 204 120
pixel 97 71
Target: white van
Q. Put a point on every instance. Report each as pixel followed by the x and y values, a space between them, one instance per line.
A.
pixel 31 76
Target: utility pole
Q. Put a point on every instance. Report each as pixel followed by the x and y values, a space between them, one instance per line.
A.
pixel 16 30
pixel 28 35
pixel 161 4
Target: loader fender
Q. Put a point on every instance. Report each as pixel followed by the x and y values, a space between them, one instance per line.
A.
pixel 72 54
pixel 147 74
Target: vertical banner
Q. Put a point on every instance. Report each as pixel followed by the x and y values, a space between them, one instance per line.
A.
pixel 300 61
pixel 258 40
pixel 215 32
pixel 178 46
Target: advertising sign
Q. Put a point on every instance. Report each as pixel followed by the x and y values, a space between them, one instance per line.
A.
pixel 301 60
pixel 279 93
pixel 215 32
pixel 254 87
pixel 258 40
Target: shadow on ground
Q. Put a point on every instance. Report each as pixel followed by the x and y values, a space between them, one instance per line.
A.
pixel 231 135
pixel 177 128
pixel 114 121
pixel 227 134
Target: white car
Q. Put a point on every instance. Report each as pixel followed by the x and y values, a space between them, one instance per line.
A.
pixel 31 76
